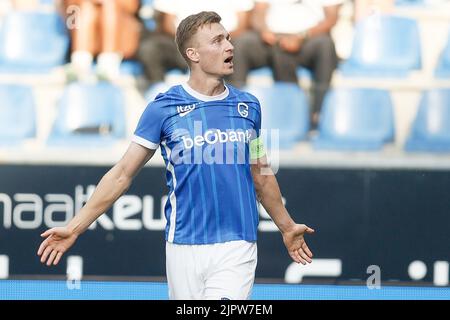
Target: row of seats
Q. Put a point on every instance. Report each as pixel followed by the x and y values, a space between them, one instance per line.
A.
pixel 355 119
pixel 32 42
pixel 88 115
pixel 352 119
pixel 384 46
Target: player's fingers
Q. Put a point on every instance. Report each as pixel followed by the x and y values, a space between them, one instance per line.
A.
pixel 47 233
pixel 294 255
pixel 58 257
pixel 51 257
pixel 42 247
pixel 298 258
pixel 306 249
pixel 45 254
pixel 302 261
pixel 304 256
pixel 309 230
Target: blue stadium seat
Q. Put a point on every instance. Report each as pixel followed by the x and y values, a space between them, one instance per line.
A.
pixel 284 108
pixel 267 72
pixel 89 115
pixel 131 67
pixel 431 128
pixel 17 114
pixel 384 46
pixel 261 72
pixel 146 14
pixel 32 42
pixel 355 119
pixel 409 2
pixel 155 89
pixel 443 66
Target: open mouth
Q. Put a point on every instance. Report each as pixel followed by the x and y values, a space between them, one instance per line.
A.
pixel 229 59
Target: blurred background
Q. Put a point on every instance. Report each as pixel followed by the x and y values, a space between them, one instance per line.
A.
pixel 359 92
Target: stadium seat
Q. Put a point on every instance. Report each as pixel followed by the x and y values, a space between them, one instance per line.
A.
pixel 156 89
pixel 443 66
pixel 32 42
pixel 384 46
pixel 284 108
pixel 89 115
pixel 131 67
pixel 409 2
pixel 261 72
pixel 355 119
pixel 430 131
pixel 267 72
pixel 147 14
pixel 17 114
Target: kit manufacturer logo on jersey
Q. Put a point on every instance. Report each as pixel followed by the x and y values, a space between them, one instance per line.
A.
pixel 184 110
pixel 243 109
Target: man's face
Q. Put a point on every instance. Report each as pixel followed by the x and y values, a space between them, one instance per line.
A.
pixel 215 51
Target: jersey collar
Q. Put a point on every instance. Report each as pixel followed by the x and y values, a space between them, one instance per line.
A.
pixel 203 97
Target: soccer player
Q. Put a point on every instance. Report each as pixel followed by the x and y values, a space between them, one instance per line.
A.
pixel 216 169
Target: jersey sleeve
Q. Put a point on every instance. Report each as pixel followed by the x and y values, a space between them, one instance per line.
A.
pixel 149 129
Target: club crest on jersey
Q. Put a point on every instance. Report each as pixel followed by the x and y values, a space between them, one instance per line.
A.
pixel 243 109
pixel 184 110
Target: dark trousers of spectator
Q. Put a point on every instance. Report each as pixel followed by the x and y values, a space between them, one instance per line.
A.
pixel 317 54
pixel 158 53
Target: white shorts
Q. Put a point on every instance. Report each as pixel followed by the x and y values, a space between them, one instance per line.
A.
pixel 211 271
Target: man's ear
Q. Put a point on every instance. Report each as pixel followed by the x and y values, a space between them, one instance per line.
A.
pixel 192 54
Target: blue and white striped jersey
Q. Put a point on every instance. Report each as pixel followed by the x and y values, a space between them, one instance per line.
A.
pixel 205 142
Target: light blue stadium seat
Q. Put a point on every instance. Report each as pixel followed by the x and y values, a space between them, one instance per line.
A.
pixel 131 67
pixel 89 115
pixel 409 2
pixel 355 119
pixel 285 109
pixel 32 42
pixel 146 14
pixel 261 72
pixel 155 89
pixel 384 46
pixel 267 72
pixel 443 65
pixel 17 114
pixel 430 131
pixel 176 72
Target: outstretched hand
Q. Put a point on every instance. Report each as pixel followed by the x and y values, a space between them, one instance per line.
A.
pixel 57 242
pixel 296 245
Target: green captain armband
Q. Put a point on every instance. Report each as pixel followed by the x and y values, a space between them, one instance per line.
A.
pixel 257 149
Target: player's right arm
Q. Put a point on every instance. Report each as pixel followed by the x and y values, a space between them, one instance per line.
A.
pixel 113 184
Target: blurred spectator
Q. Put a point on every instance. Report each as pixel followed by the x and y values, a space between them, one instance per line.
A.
pixel 106 29
pixel 5 7
pixel 364 8
pixel 24 4
pixel 9 5
pixel 158 51
pixel 290 33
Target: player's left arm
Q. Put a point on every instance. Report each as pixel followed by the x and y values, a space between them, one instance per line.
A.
pixel 269 195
